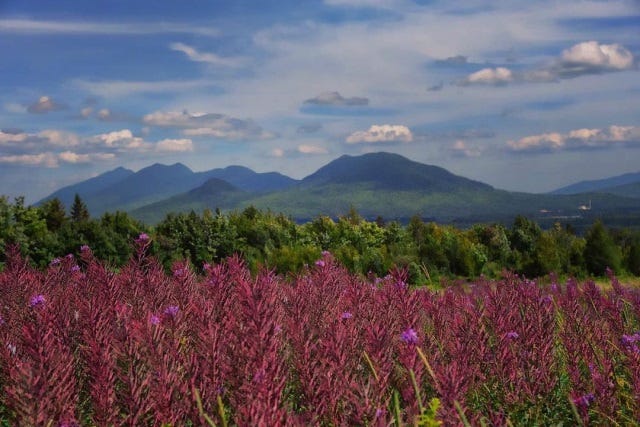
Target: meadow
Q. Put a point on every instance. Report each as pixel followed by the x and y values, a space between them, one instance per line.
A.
pixel 84 344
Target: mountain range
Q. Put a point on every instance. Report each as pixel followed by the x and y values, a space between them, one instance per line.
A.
pixel 375 184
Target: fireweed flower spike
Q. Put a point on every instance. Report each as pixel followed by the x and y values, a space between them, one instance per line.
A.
pixel 512 335
pixel 75 268
pixel 320 263
pixel 585 400
pixel 410 336
pixel 84 248
pixel 37 300
pixel 154 320
pixel 142 238
pixel 55 261
pixel 172 310
pixel 346 315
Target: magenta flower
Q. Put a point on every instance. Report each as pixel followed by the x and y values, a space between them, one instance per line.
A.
pixel 326 253
pixel 55 261
pixel 346 315
pixel 37 300
pixel 154 320
pixel 172 310
pixel 410 336
pixel 75 268
pixel 512 335
pixel 85 248
pixel 142 238
pixel 320 263
pixel 585 400
pixel 1 321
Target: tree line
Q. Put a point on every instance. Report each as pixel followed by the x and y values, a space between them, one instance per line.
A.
pixel 429 251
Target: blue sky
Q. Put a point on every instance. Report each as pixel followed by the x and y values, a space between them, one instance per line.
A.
pixel 525 96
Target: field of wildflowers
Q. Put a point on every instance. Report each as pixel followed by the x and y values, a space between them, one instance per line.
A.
pixel 83 344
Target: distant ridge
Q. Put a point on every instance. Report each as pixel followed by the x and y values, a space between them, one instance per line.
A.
pixel 599 185
pixel 375 184
pixel 90 186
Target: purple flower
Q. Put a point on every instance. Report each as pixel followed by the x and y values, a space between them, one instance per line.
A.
pixel 37 300
pixel 142 238
pixel 346 315
pixel 401 284
pixel 512 335
pixel 320 263
pixel 154 320
pixel 1 321
pixel 178 272
pixel 69 256
pixel 75 268
pixel 585 400
pixel 172 310
pixel 55 261
pixel 85 248
pixel 410 336
pixel 326 253
pixel 379 412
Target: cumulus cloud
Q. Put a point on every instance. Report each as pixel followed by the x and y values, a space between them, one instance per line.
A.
pixel 489 76
pixel 277 152
pixel 335 99
pixel 174 145
pixel 581 59
pixel 20 141
pixel 71 157
pixel 461 148
pixel 577 139
pixel 381 133
pixel 41 159
pixel 120 140
pixel 311 149
pixel 591 58
pixel 208 58
pixel 45 105
pixel 213 125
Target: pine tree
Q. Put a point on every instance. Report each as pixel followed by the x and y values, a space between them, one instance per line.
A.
pixel 54 214
pixel 79 210
pixel 600 251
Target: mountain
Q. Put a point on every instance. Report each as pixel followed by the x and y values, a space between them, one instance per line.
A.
pixel 125 190
pixel 246 179
pixel 148 185
pixel 626 190
pixel 392 186
pixel 386 171
pixel 600 185
pixel 90 186
pixel 213 194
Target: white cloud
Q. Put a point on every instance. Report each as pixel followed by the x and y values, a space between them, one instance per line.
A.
pixel 277 152
pixel 591 56
pixel 59 138
pixel 45 105
pixel 578 139
pixel 42 159
pixel 29 26
pixel 462 149
pixel 121 140
pixel 218 126
pixel 86 112
pixel 381 133
pixel 208 58
pixel 122 88
pixel 311 149
pixel 489 76
pixel 71 157
pixel 174 145
pixel 581 59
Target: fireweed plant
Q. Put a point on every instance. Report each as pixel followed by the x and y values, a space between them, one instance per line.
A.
pixel 81 344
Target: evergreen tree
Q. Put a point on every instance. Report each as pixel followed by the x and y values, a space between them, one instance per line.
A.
pixel 79 210
pixel 54 214
pixel 600 251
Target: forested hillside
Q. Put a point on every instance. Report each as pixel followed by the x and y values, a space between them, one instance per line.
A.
pixel 428 250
